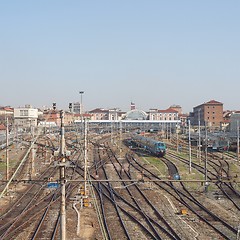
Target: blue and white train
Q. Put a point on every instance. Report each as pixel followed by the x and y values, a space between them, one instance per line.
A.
pixel 155 147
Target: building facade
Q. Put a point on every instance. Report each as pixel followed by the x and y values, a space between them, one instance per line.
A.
pixel 235 122
pixel 163 115
pixel 52 116
pixel 6 112
pixel 209 114
pixel 99 114
pixel 25 117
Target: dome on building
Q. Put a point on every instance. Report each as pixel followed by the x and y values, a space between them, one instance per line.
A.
pixel 136 115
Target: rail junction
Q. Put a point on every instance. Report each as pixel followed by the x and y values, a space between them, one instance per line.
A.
pixel 90 183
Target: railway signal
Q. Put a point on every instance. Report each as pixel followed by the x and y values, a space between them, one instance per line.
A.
pixel 70 107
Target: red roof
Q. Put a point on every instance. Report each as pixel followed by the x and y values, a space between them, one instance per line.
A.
pixel 2 127
pixel 169 110
pixel 99 110
pixel 9 109
pixel 213 102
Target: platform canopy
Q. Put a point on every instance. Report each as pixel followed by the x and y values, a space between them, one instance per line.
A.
pixel 136 115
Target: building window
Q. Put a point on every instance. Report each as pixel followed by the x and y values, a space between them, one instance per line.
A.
pixel 23 113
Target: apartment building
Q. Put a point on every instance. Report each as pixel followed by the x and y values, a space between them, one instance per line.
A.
pixel 209 113
pixel 25 117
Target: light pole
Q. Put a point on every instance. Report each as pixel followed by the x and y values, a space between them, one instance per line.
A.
pixel 81 94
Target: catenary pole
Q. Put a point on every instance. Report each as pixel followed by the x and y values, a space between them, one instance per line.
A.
pixel 85 156
pixel 62 182
pixel 206 158
pixel 189 144
pixel 238 140
pixel 199 136
pixel 7 157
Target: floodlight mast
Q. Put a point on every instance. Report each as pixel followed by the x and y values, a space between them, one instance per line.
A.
pixel 81 107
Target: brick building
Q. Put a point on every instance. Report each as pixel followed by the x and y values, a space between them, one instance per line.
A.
pixel 209 113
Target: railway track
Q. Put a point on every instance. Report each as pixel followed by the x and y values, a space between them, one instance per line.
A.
pixel 226 188
pixel 186 198
pixel 144 207
pixel 129 210
pixel 30 203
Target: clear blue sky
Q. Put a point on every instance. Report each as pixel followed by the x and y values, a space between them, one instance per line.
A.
pixel 153 52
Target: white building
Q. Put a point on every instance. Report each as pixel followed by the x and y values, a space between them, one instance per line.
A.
pixel 163 115
pixel 25 117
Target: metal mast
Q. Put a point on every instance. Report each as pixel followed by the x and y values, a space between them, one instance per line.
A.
pixel 189 143
pixel 85 156
pixel 238 140
pixel 206 158
pixel 7 158
pixel 62 182
pixel 199 136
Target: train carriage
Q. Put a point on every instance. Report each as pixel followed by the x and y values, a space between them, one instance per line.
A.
pixel 155 147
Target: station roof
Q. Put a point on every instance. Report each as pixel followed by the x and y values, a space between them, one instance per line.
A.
pixel 136 115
